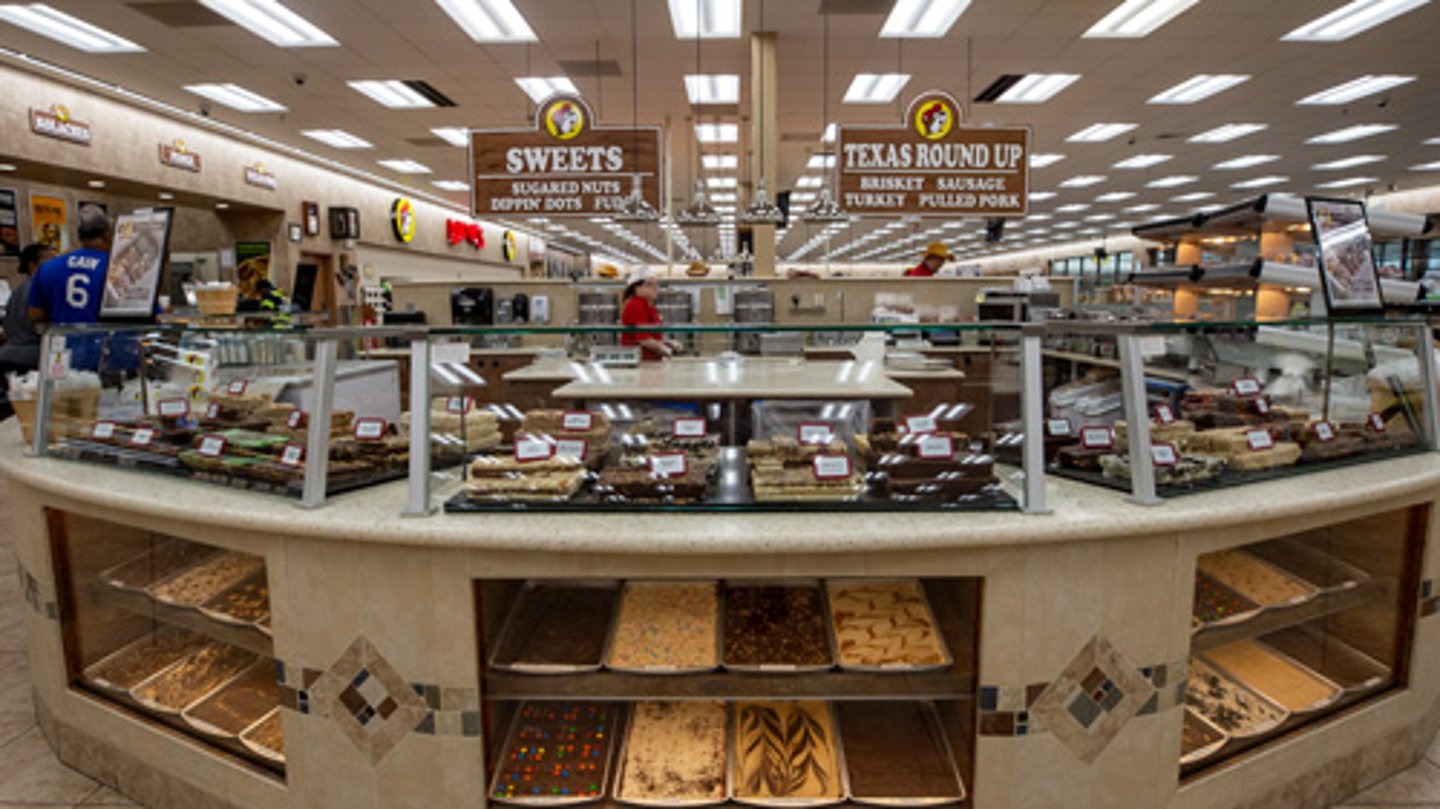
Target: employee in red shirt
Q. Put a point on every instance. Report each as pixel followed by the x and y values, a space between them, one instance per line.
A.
pixel 935 257
pixel 639 310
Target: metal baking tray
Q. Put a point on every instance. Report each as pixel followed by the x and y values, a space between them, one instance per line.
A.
pixel 1310 590
pixel 842 770
pixel 1263 730
pixel 622 757
pixel 211 731
pixel 119 691
pixel 512 618
pixel 1310 710
pixel 1238 617
pixel 947 659
pixel 166 711
pixel 947 752
pixel 259 750
pixel 1295 642
pixel 670 670
pixel 1326 573
pixel 159 599
pixel 208 609
pixel 572 800
pixel 782 668
pixel 108 576
pixel 1201 753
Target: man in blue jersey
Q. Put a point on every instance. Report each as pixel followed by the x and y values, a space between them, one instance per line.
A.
pixel 66 289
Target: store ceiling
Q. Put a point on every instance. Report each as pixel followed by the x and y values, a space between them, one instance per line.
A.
pixel 385 39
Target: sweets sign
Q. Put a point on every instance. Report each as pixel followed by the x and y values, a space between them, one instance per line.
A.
pixel 564 166
pixel 177 156
pixel 57 123
pixel 932 166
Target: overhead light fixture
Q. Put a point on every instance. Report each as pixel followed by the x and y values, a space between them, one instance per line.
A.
pixel 700 213
pixel 1352 18
pixel 1142 208
pixel 1041 196
pixel 1193 196
pixel 1020 88
pixel 540 88
pixel 51 23
pixel 392 93
pixel 719 161
pixel 489 21
pixel 166 196
pixel 1199 88
pixel 1349 162
pixel 1355 89
pixel 453 135
pixel 1040 161
pixel 1100 217
pixel 1435 166
pixel 828 136
pixel 1074 207
pixel 720 182
pixel 714 88
pixel 875 88
pixel 717 133
pixel 222 206
pixel 96 184
pixel 1116 196
pixel 9 167
pixel 809 181
pixel 1173 181
pixel 1083 181
pixel 922 19
pixel 1099 133
pixel 451 185
pixel 1348 183
pixel 273 22
pixel 1350 133
pixel 820 161
pixel 1134 19
pixel 1143 161
pixel 1261 182
pixel 235 97
pixel 1228 132
pixel 727 196
pixel 1248 161
pixel 338 138
pixel 761 211
pixel 405 166
pixel 706 19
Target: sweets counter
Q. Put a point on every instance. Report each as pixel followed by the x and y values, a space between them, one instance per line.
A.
pixel 1075 658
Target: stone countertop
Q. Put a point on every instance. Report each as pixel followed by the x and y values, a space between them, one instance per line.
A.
pixel 1080 513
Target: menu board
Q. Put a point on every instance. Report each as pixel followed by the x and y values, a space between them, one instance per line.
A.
pixel 9 223
pixel 137 261
pixel 1347 259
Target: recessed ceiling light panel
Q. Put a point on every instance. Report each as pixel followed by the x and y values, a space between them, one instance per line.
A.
pixel 272 22
pixel 338 138
pixel 1099 133
pixel 707 19
pixel 51 23
pixel 1134 19
pixel 489 21
pixel 1248 161
pixel 1349 162
pixel 1199 88
pixel 875 88
pixel 1354 90
pixel 713 88
pixel 1352 133
pixel 405 166
pixel 540 88
pixel 1143 161
pixel 1227 133
pixel 1352 18
pixel 717 133
pixel 235 97
pixel 922 19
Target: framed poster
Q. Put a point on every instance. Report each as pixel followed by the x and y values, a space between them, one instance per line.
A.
pixel 49 221
pixel 9 223
pixel 137 263
pixel 297 234
pixel 252 265
pixel 310 217
pixel 1347 259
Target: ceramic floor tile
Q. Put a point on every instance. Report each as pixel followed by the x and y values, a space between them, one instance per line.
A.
pixel 33 774
pixel 12 626
pixel 1417 786
pixel 105 796
pixel 13 724
pixel 14 683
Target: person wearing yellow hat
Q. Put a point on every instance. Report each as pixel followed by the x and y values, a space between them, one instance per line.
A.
pixel 935 257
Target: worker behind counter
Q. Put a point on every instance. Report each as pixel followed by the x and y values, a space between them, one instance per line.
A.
pixel 935 257
pixel 639 310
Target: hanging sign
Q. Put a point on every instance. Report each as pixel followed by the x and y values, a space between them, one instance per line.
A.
pixel 933 166
pixel 56 123
pixel 177 156
pixel 257 176
pixel 564 166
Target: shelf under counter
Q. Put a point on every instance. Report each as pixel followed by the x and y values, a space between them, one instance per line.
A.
pixel 1275 619
pixel 827 685
pixel 249 639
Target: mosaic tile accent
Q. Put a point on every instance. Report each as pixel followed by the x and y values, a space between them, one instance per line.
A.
pixel 1168 680
pixel 37 595
pixel 1429 602
pixel 368 700
pixel 1093 699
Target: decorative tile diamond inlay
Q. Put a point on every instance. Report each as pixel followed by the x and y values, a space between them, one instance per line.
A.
pixel 1092 699
pixel 368 700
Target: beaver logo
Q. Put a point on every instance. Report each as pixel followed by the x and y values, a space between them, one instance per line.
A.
pixel 934 120
pixel 564 120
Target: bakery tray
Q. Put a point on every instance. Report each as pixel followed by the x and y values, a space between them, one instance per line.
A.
pixel 175 713
pixel 212 607
pixel 240 559
pixel 1318 706
pixel 679 803
pixel 670 670
pixel 113 577
pixel 947 659
pixel 264 669
pixel 92 675
pixel 1252 609
pixel 940 747
pixel 1309 591
pixel 841 770
pixel 1351 669
pixel 271 757
pixel 776 668
pixel 1326 573
pixel 1262 730
pixel 1203 752
pixel 503 656
pixel 552 800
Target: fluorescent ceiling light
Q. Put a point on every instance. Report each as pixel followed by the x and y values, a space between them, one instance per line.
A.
pixel 271 21
pixel 1099 133
pixel 540 88
pixel 1037 88
pixel 717 133
pixel 1435 166
pixel 1353 90
pixel 802 197
pixel 51 23
pixel 487 21
pixel 338 138
pixel 397 95
pixel 1144 208
pixel 1040 161
pixel 1194 196
pixel 1248 161
pixel 1349 162
pixel 875 88
pixel 405 166
pixel 820 161
pixel 1348 183
pixel 453 135
pixel 1083 181
pixel 828 136
pixel 720 182
pixel 235 97
pixel 713 88
pixel 719 161
pixel 1041 196
pixel 1133 19
pixel 451 185
pixel 809 182
pixel 1143 161
pixel 1100 217
pixel 1075 207
pixel 1228 132
pixel 1352 18
pixel 1261 182
pixel 707 19
pixel 1173 181
pixel 1350 133
pixel 1199 88
pixel 922 19
pixel 1115 196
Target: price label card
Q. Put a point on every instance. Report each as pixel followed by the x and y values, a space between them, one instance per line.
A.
pixel 297 419
pixel 572 448
pixel 935 447
pixel 1376 422
pixel 459 404
pixel 1262 406
pixel 213 411
pixel 237 386
pixel 916 425
pixel 103 430
pixel 142 437
pixel 577 421
pixel 452 353
pixel 831 467
pixel 1164 414
pixel 1097 438
pixel 530 449
pixel 293 455
pixel 669 465
pixel 1246 386
pixel 1059 428
pixel 812 433
pixel 1260 440
pixel 689 428
pixel 370 429
pixel 174 408
pixel 1324 431
pixel 1164 455
pixel 212 446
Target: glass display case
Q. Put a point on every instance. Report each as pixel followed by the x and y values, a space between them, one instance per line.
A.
pixel 286 412
pixel 175 632
pixel 766 692
pixel 889 422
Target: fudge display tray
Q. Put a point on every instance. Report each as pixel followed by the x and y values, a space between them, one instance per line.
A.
pixel 737 589
pixel 715 644
pixel 913 739
pixel 531 621
pixel 737 765
pixel 623 758
pixel 832 623
pixel 601 782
